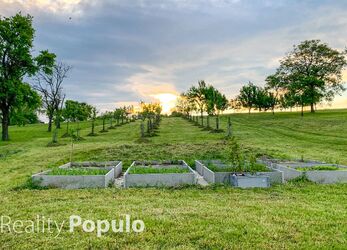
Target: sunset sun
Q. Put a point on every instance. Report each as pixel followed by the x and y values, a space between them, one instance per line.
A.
pixel 167 101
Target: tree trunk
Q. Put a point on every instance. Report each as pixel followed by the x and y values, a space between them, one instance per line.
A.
pixel 302 110
pixel 5 123
pixel 229 127
pixel 50 119
pixel 312 107
pixel 67 127
pixel 78 129
pixel 202 118
pixel 55 136
pixel 142 128
pixel 217 122
pixel 208 121
pixel 93 126
pixel 249 111
pixel 57 123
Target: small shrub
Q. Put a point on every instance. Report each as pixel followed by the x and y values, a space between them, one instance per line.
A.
pixel 301 179
pixel 30 184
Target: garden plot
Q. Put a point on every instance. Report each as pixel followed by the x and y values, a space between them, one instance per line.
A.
pixel 165 173
pixel 319 172
pixel 80 175
pixel 117 165
pixel 261 174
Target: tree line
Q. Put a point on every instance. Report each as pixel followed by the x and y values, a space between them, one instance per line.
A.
pixel 20 101
pixel 309 74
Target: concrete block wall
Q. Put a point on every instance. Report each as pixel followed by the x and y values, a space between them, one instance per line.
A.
pixel 74 181
pixel 168 180
pixel 276 176
pixel 117 165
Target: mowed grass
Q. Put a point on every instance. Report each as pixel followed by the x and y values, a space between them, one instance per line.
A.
pixel 294 215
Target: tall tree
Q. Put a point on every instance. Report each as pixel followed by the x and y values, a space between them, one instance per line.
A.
pixel 216 102
pixel 16 62
pixel 51 89
pixel 248 96
pixel 198 96
pixel 313 71
pixel 183 105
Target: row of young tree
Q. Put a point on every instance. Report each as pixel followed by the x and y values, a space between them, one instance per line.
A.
pixel 308 75
pixel 149 112
pixel 200 99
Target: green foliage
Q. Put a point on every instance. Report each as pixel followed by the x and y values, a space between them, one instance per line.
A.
pixel 157 170
pixel 309 74
pixel 323 168
pixel 248 167
pixel 77 111
pixel 77 171
pixel 216 102
pixel 151 112
pixel 26 107
pixel 240 162
pixel 16 46
pixel 248 96
pixel 197 95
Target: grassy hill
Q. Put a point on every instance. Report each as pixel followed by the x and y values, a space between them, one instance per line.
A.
pixel 294 215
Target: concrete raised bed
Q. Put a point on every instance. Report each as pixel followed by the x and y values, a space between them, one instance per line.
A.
pixel 250 181
pixel 275 176
pixel 75 181
pixel 117 165
pixel 320 176
pixel 165 179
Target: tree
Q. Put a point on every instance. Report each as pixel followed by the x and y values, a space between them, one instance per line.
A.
pixel 151 112
pixel 51 89
pixel 248 96
pixel 68 114
pixel 94 113
pixel 197 95
pixel 313 71
pixel 216 102
pixel 117 114
pixel 76 112
pixel 16 62
pixel 28 104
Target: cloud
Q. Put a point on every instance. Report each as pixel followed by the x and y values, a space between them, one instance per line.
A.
pixel 127 51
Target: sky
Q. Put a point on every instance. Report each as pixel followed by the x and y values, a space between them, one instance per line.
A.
pixel 131 50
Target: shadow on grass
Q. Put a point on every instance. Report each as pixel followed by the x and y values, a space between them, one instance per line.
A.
pixel 55 144
pixel 29 184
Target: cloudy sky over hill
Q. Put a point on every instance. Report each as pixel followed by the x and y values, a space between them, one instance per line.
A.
pixel 125 51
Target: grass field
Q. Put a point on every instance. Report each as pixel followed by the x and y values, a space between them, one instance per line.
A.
pixel 294 215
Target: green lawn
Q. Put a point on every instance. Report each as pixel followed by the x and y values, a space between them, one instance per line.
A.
pixel 295 215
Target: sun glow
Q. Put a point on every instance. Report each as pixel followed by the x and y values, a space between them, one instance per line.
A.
pixel 167 101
